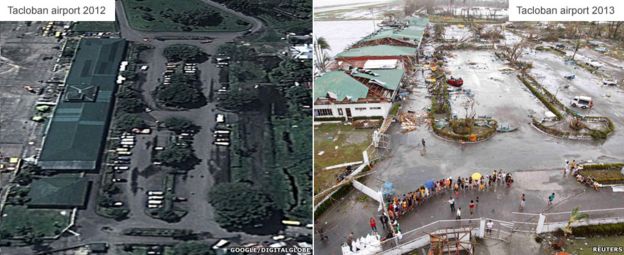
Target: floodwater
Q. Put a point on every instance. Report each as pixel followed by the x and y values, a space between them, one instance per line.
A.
pixel 343 33
pixel 505 98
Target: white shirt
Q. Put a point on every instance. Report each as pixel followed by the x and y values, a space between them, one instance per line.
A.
pixel 490 225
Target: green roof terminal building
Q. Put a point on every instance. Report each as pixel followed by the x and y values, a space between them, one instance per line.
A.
pixel 76 133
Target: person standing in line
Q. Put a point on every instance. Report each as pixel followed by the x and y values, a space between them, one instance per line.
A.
pixel 452 204
pixel 373 224
pixel 383 221
pixel 350 241
pixel 522 202
pixel 471 206
pixel 458 214
pixel 551 198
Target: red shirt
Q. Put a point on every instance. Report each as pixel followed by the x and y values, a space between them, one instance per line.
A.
pixel 372 222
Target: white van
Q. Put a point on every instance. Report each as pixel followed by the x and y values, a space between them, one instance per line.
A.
pixel 220 118
pixel 582 102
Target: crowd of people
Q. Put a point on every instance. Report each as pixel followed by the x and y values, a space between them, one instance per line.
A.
pixel 401 205
pixel 574 169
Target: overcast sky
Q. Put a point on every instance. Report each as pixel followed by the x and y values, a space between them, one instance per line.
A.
pixel 326 3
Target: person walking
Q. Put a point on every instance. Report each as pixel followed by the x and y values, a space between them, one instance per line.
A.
pixel 566 169
pixel 471 206
pixel 551 198
pixel 458 214
pixel 373 224
pixel 452 204
pixel 350 241
pixel 522 202
pixel 423 142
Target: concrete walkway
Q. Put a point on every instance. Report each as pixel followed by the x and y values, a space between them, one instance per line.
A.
pixel 352 213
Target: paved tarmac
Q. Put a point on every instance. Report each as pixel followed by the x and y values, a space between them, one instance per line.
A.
pixel 352 212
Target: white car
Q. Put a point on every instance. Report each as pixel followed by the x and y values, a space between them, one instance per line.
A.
pixel 609 82
pixel 582 102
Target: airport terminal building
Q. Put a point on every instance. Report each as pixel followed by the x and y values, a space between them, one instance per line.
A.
pixel 75 136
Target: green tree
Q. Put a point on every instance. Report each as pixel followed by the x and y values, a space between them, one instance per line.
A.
pixel 238 205
pixel 119 213
pixel 575 216
pixel 180 125
pixel 127 121
pixel 184 52
pixel 168 216
pixel 130 105
pixel 238 100
pixel 178 157
pixel 183 95
pixel 192 248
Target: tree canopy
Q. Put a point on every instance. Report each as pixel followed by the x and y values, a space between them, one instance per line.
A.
pixel 178 157
pixel 127 121
pixel 182 92
pixel 238 205
pixel 184 52
pixel 203 17
pixel 238 100
pixel 180 125
pixel 193 248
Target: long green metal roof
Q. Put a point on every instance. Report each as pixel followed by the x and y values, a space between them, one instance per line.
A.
pixel 341 85
pixel 412 32
pixel 76 133
pixel 389 78
pixel 377 51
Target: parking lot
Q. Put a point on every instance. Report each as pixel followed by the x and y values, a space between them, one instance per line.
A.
pixel 496 91
pixel 549 70
pixel 27 61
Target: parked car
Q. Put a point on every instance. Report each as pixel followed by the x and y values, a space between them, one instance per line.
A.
pixel 609 82
pixel 582 102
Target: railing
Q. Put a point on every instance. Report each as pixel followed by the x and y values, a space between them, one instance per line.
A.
pixel 419 237
pixel 502 230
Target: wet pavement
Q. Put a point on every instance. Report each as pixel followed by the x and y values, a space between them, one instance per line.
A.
pixel 352 213
pixel 507 99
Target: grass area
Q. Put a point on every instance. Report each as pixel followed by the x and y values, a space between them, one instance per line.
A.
pixel 339 144
pixel 605 176
pixel 95 26
pixel 291 163
pixel 584 247
pixel 49 222
pixel 150 16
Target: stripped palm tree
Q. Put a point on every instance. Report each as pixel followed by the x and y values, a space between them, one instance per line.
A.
pixel 322 58
pixel 575 216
